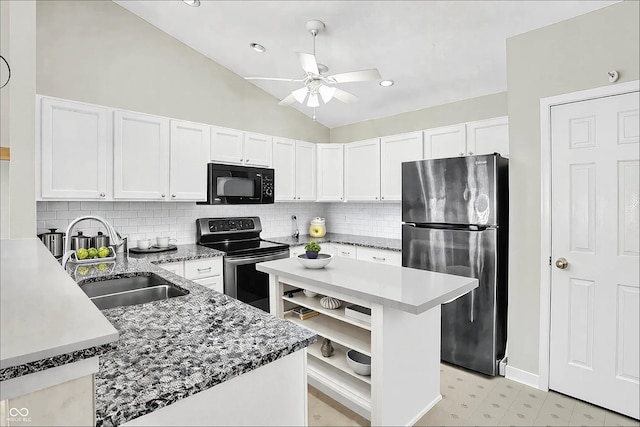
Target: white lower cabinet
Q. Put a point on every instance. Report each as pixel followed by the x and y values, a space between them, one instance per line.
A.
pixel 344 250
pixel 206 272
pixel 381 256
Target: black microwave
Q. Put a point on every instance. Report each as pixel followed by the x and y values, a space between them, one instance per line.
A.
pixel 238 185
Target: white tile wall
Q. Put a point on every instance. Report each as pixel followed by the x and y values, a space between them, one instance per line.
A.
pixel 148 220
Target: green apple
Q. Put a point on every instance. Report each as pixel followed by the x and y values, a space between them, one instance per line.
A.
pixel 103 252
pixel 82 253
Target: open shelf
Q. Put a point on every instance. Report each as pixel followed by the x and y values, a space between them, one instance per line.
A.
pixel 338 360
pixel 340 386
pixel 314 304
pixel 343 333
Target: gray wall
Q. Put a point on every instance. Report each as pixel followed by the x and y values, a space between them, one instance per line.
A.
pixel 98 52
pixel 566 57
pixel 484 107
pixel 17 120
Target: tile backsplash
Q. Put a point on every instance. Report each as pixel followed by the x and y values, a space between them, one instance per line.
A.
pixel 141 220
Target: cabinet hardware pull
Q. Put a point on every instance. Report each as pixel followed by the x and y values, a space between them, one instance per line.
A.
pixel 345 253
pixel 471 152
pixel 102 195
pixel 462 154
pixel 247 160
pixel 204 269
pixel 163 195
pixel 379 258
pixel 382 197
pixel 173 195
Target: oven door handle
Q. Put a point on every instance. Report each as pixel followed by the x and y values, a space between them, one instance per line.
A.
pixel 257 258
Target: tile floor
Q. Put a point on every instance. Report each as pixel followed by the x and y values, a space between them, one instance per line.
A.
pixel 470 399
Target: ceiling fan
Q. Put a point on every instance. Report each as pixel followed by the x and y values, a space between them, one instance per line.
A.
pixel 317 86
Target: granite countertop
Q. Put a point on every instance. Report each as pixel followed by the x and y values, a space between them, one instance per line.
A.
pixel 406 289
pixel 174 348
pixel 46 320
pixel 167 350
pixel 350 239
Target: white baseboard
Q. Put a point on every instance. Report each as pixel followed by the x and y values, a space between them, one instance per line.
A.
pixel 524 377
pixel 425 410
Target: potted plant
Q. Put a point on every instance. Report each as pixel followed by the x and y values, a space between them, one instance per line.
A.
pixel 312 249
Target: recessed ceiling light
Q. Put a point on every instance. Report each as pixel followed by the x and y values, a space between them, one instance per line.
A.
pixel 192 3
pixel 386 83
pixel 258 47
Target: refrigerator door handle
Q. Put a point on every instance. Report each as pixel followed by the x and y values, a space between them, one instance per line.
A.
pixel 473 303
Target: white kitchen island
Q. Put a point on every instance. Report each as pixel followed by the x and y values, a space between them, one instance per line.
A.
pixel 403 338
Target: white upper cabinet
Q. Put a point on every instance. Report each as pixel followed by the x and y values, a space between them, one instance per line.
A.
pixel 284 163
pixel 330 172
pixel 257 149
pixel 305 170
pixel 238 147
pixel 188 162
pixel 295 166
pixel 227 145
pixel 447 141
pixel 468 139
pixel 75 150
pixel 140 156
pixel 393 151
pixel 488 136
pixel 362 170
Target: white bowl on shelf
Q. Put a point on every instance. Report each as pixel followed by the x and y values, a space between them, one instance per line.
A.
pixel 308 293
pixel 320 262
pixel 360 363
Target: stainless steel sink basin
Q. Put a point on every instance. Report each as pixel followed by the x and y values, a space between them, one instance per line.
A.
pixel 134 290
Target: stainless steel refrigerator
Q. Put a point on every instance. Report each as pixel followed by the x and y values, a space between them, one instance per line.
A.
pixel 455 215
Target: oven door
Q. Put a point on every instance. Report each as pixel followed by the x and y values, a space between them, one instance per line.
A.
pixel 243 282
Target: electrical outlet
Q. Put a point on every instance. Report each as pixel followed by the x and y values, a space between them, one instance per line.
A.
pixel 345 219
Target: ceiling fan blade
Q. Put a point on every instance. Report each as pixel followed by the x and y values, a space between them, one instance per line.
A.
pixel 355 76
pixel 344 96
pixel 288 100
pixel 308 62
pixel 278 79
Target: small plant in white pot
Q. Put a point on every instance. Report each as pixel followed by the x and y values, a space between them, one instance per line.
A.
pixel 312 249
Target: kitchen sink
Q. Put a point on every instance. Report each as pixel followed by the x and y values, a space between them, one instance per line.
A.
pixel 141 289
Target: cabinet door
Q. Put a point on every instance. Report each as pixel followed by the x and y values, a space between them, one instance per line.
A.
pixel 188 162
pixel 74 150
pixel 488 137
pixel 201 268
pixel 174 267
pixel 393 151
pixel 141 156
pixel 216 283
pixel 305 170
pixel 257 149
pixel 330 172
pixel 226 145
pixel 448 141
pixel 362 170
pixel 284 163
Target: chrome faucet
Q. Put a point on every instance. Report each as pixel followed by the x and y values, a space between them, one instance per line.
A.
pixel 296 232
pixel 118 242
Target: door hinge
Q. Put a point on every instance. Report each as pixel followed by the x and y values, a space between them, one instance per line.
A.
pixel 549 260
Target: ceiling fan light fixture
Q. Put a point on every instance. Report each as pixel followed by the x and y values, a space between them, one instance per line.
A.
pixel 386 83
pixel 192 3
pixel 300 94
pixel 313 100
pixel 327 92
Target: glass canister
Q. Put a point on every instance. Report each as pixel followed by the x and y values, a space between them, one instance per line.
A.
pixel 317 227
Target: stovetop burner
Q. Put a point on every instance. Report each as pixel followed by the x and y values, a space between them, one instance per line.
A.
pixel 235 236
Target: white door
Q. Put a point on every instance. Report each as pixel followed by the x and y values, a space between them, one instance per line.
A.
pixel 140 156
pixel 393 151
pixel 443 142
pixel 74 150
pixel 595 323
pixel 330 172
pixel 362 170
pixel 257 149
pixel 488 137
pixel 305 170
pixel 284 164
pixel 188 162
pixel 227 145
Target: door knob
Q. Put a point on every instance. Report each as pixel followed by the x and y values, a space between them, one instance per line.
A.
pixel 562 263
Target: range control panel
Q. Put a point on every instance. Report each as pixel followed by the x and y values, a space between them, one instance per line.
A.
pixel 210 230
pixel 216 225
